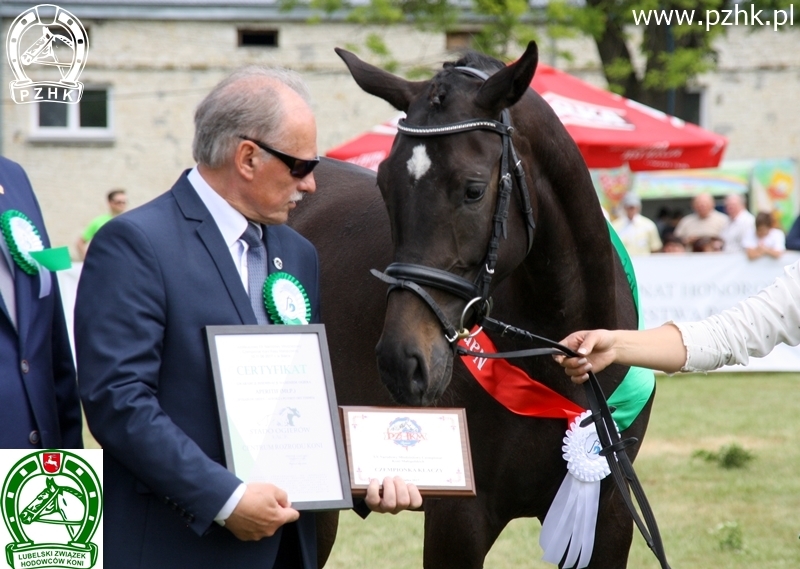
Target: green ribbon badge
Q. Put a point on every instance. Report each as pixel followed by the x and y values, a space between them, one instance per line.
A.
pixel 25 245
pixel 286 300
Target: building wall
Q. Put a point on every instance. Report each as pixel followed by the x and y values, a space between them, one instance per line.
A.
pixel 160 70
pixel 752 97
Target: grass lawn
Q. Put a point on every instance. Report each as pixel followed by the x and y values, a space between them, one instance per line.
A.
pixel 709 516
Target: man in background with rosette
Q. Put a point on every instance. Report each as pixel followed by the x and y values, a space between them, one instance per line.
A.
pixel 213 250
pixel 37 375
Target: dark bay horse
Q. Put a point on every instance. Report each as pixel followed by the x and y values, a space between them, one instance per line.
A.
pixel 434 207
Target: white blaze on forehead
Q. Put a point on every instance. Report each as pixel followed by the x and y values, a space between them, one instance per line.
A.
pixel 419 163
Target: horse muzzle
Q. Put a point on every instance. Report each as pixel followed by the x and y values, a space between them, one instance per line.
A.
pixel 415 361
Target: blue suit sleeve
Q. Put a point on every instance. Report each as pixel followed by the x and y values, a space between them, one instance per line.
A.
pixel 120 319
pixel 793 237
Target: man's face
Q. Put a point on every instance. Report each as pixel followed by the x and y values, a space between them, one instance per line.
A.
pixel 703 205
pixel 118 203
pixel 631 211
pixel 273 192
pixel 733 206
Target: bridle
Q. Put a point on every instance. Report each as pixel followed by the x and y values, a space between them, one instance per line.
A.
pixel 476 293
pixel 410 276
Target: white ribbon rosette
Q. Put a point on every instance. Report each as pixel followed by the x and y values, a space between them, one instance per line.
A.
pixel 569 527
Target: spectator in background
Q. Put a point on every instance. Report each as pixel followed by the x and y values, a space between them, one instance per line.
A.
pixel 663 221
pixel 707 245
pixel 765 239
pixel 117 203
pixel 793 237
pixel 742 223
pixel 673 244
pixel 704 222
pixel 637 233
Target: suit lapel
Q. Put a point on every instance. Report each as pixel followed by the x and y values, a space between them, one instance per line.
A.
pixel 193 208
pixel 274 250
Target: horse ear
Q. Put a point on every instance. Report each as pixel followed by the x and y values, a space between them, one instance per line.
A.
pixel 507 86
pixel 394 90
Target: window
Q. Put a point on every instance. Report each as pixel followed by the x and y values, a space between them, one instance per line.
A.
pixel 460 40
pixel 89 120
pixel 691 107
pixel 258 38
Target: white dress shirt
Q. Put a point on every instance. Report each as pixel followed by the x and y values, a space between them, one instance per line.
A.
pixel 230 222
pixel 751 328
pixel 736 232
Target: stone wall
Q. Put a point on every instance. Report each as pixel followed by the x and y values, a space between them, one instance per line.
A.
pixel 159 70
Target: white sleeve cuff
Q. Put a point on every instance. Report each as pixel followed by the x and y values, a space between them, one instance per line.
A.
pixel 230 505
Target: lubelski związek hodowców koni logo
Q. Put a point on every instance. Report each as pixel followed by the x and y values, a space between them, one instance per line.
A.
pixel 52 502
pixel 47 48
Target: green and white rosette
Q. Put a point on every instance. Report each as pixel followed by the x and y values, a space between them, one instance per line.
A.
pixel 27 249
pixel 569 527
pixel 286 300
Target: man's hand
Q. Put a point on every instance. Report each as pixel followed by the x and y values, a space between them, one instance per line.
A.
pixel 396 496
pixel 261 511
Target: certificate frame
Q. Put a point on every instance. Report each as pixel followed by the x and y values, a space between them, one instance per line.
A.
pixel 358 487
pixel 224 343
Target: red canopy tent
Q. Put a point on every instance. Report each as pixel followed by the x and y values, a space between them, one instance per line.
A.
pixel 610 130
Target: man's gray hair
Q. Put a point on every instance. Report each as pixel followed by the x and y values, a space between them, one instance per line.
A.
pixel 242 104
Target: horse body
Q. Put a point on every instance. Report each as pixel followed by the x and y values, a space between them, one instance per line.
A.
pixel 570 279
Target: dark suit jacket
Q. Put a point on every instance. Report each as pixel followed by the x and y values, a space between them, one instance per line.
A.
pixel 37 375
pixel 153 279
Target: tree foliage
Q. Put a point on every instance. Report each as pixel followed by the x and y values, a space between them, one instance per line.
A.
pixel 625 31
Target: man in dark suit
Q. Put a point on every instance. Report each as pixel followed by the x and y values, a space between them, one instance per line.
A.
pixel 37 375
pixel 153 279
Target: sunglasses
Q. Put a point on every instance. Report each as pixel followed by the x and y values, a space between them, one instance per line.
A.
pixel 298 167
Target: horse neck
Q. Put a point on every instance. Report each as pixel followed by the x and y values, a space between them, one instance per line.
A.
pixel 571 272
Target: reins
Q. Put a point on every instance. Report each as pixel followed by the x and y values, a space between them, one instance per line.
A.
pixel 410 276
pixel 613 447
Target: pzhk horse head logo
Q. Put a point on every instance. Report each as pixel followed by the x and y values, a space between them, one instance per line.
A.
pixel 287 416
pixel 52 502
pixel 40 39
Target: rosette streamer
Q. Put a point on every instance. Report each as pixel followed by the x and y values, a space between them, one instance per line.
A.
pixel 569 527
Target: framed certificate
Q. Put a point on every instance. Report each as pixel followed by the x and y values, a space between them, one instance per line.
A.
pixel 426 446
pixel 278 412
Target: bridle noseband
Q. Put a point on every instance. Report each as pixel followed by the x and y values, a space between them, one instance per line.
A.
pixel 410 276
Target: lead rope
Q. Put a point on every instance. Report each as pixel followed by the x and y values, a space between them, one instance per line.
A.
pixel 613 447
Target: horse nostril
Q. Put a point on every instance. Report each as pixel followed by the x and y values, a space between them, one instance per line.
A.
pixel 417 377
pixel 403 373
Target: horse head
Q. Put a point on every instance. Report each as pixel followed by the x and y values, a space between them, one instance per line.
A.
pixel 441 184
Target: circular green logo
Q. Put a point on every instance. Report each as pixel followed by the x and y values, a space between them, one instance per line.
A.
pixel 52 501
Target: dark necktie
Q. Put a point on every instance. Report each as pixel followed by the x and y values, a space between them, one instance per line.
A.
pixel 256 270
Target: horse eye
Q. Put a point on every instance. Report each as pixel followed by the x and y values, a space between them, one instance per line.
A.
pixel 474 192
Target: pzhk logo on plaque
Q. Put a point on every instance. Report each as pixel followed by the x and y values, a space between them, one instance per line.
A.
pixel 52 502
pixel 41 39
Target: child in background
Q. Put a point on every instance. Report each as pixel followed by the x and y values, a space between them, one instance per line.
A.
pixel 766 240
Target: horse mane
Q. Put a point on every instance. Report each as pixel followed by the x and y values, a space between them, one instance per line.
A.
pixel 476 60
